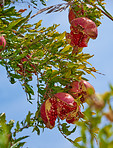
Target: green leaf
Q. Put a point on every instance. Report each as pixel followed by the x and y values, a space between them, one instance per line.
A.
pixel 43 2
pixel 14 23
pixel 28 118
pixel 18 22
pixel 21 138
pixel 28 89
pixel 2 118
pixel 8 10
pixel 17 125
pixel 65 129
pixel 12 80
pixel 37 130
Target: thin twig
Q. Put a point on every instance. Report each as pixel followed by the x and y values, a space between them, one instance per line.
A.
pixel 37 91
pixel 67 4
pixel 34 65
pixel 104 13
pixel 47 8
pixel 101 10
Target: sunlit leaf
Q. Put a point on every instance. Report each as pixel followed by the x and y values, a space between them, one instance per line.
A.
pixel 66 48
pixel 38 24
pixel 61 36
pixel 68 73
pixel 78 139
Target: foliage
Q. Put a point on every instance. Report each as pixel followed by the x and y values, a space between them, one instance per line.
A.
pixel 35 51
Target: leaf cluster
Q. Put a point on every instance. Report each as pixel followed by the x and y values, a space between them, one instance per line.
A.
pixel 43 52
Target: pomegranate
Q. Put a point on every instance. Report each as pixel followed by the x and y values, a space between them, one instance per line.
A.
pixel 74 14
pixel 74 116
pixel 82 89
pixel 2 43
pixel 77 39
pixel 86 26
pixel 82 29
pixel 97 102
pixel 71 15
pixel 65 104
pixel 48 112
pixel 61 105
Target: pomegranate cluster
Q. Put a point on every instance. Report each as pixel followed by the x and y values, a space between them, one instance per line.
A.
pixel 64 104
pixel 82 29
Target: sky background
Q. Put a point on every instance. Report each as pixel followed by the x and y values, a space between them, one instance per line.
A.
pixel 13 99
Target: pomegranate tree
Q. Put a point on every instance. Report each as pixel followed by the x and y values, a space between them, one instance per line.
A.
pixel 2 43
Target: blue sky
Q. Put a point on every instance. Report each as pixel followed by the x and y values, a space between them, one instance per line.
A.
pixel 12 97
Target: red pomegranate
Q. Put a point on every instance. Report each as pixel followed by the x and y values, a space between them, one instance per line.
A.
pixel 2 43
pixel 48 112
pixel 71 15
pixel 73 117
pixel 86 26
pixel 77 39
pixel 82 89
pixel 61 105
pixel 74 14
pixel 65 105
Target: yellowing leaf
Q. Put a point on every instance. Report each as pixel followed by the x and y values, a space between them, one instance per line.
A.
pixel 81 66
pixel 96 130
pixel 59 38
pixel 68 73
pixel 88 62
pixel 78 139
pixel 93 113
pixel 66 48
pixel 89 72
pixel 38 24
